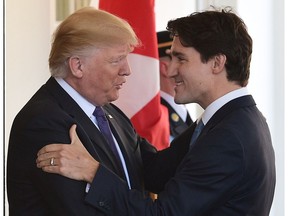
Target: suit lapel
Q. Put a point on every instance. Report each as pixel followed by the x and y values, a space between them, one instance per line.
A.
pixel 237 103
pixel 241 102
pixel 232 105
pixel 121 138
pixel 127 144
pixel 98 147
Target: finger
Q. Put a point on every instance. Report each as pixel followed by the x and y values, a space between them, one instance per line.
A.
pixel 73 135
pixel 48 162
pixel 45 156
pixel 50 169
pixel 50 148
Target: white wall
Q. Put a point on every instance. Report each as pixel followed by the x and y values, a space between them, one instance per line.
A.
pixel 26 58
pixel 166 10
pixel 28 28
pixel 285 149
pixel 27 49
pixel 265 23
pixel 2 192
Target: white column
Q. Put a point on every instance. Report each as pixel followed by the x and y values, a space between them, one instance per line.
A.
pixel 285 109
pixel 27 42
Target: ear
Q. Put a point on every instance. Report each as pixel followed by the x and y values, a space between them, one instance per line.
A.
pixel 163 68
pixel 218 63
pixel 75 66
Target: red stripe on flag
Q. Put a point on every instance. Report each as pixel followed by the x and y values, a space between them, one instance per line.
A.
pixel 155 127
pixel 151 121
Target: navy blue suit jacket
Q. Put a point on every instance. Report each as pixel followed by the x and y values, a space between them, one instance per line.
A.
pixel 45 119
pixel 230 170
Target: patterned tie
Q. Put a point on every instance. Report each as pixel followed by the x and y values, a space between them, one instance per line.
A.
pixel 104 127
pixel 196 132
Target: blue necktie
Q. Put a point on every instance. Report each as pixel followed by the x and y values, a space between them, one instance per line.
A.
pixel 197 132
pixel 104 127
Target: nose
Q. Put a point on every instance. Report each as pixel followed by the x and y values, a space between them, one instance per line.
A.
pixel 125 69
pixel 172 69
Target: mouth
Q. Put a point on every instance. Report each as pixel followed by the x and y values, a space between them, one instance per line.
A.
pixel 119 86
pixel 178 83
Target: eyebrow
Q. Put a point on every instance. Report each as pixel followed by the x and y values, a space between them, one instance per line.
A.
pixel 116 58
pixel 176 54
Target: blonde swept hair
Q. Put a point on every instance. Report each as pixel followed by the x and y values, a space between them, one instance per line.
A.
pixel 86 29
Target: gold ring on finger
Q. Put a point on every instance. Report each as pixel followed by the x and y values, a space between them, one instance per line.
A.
pixel 52 161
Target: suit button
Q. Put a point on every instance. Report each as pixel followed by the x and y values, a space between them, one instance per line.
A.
pixel 101 203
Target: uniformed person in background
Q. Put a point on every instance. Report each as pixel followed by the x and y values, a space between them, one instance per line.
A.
pixel 179 118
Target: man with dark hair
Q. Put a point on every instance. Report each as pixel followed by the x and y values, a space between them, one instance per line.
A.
pixel 179 117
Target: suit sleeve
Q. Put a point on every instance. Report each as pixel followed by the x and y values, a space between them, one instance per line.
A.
pixel 60 195
pixel 161 166
pixel 200 184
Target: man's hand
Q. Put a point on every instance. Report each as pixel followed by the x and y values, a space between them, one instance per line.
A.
pixel 72 161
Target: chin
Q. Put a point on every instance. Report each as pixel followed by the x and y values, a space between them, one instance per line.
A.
pixel 177 100
pixel 114 98
pixel 181 100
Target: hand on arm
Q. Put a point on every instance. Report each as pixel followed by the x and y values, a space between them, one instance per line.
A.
pixel 72 161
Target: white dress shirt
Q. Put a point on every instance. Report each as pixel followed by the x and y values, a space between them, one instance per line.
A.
pixel 89 108
pixel 217 104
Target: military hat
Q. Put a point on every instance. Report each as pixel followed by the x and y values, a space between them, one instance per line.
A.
pixel 164 42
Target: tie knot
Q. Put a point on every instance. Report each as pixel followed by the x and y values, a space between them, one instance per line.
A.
pixel 200 125
pixel 99 112
pixel 197 131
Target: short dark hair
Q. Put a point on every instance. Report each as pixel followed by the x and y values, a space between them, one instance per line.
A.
pixel 217 32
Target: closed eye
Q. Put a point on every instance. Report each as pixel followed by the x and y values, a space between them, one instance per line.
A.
pixel 117 60
pixel 179 56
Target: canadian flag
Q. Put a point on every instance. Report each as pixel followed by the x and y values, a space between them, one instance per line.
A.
pixel 139 98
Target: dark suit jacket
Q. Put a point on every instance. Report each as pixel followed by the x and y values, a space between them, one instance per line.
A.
pixel 45 119
pixel 229 171
pixel 176 124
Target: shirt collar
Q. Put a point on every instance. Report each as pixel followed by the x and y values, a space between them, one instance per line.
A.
pixel 217 104
pixel 85 105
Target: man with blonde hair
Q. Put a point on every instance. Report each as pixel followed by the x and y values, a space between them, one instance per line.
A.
pixel 88 64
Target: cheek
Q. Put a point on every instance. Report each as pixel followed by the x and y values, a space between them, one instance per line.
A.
pixel 107 82
pixel 196 74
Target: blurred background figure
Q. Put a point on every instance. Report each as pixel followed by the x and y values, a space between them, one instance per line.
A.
pixel 179 118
